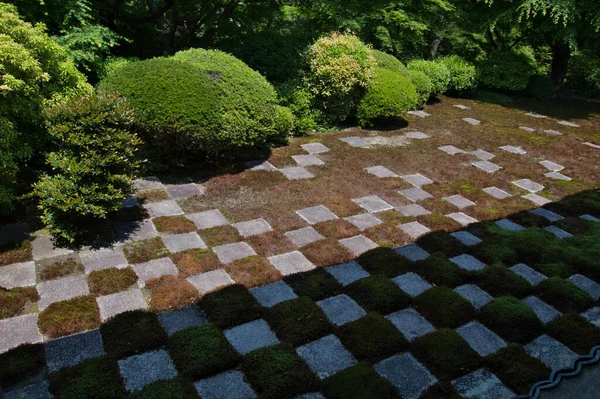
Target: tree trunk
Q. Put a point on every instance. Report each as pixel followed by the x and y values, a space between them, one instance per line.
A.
pixel 436 44
pixel 561 53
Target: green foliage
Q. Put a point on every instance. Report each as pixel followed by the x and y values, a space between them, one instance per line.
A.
pixel 516 368
pixel 507 70
pixel 388 61
pixel 389 95
pixel 563 295
pixel 94 165
pixel 230 306
pixel 378 293
pixel 583 74
pixel 371 337
pixel 298 321
pixel 315 284
pixel 540 87
pixel 111 64
pixel 444 307
pixel 575 331
pixel 512 283
pixel 384 261
pixel 360 381
pixel 173 389
pixel 437 72
pixel 422 84
pixel 511 319
pixel 463 75
pixel 20 362
pixel 308 113
pixel 131 333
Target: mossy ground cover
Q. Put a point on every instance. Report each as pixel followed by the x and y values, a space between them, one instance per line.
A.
pixel 109 281
pixel 230 306
pixel 298 321
pixel 384 261
pixel 20 363
pixel 327 252
pixel 511 319
pixel 174 224
pixel 14 301
pixel 173 389
pixel 316 284
pixel 69 317
pixel 563 295
pixel 359 382
pixel 371 337
pixel 378 293
pixel 196 261
pixel 440 271
pixel 131 333
pixel 444 307
pixel 15 253
pixel 62 268
pixel 145 250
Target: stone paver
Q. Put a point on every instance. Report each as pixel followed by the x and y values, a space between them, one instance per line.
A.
pixel 341 309
pixel 358 245
pixel 415 194
pixel 532 276
pixel 557 176
pixel 463 107
pixel 487 166
pixel 304 236
pixel 261 165
pixel 181 242
pixel 412 210
pixel 380 171
pixel 15 232
pixel 180 319
pixel 513 149
pixel 130 202
pixel 38 390
pixel 565 123
pixel 545 213
pixel 536 115
pixel 208 219
pixel 358 142
pixel 412 252
pixel 134 231
pixel 17 275
pixel 347 273
pixel 410 323
pixel 472 121
pixel 316 214
pixel 414 229
pixel 550 352
pixel 417 180
pixel 19 330
pixel 497 193
pixel 593 316
pixel 291 263
pixel 326 356
pixel 253 227
pixel 592 145
pixel 553 132
pixel 462 218
pixel 227 385
pixel 154 269
pixel 315 148
pixel 468 262
pixel 43 247
pixel 148 183
pixel 419 113
pixel 250 336
pixel 104 258
pixel 451 150
pixel 551 166
pixel 472 293
pixel 528 185
pixel 271 294
pixel 185 190
pixel 590 218
pixel 481 384
pixel 558 232
pixel 466 238
pixel 405 372
pixel 210 281
pixel 72 350
pixel 364 221
pixel 163 208
pixel 527 129
pixel 231 252
pixel 459 201
pixel 296 173
pixel 307 160
pixel 61 290
pixel 589 286
pixel 537 199
pixel 509 225
pixel 312 395
pixel 373 204
pixel 480 338
pixel 114 304
pixel 542 310
pixel 412 284
pixel 141 370
pixel 482 154
pixel 417 135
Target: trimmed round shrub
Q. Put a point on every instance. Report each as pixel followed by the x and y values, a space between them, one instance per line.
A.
pixel 463 75
pixel 507 70
pixel 438 74
pixel 389 96
pixel 388 61
pixel 422 84
pixel 511 319
pixel 540 87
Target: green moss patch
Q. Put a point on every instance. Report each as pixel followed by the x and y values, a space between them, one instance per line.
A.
pixel 109 281
pixel 359 382
pixel 563 295
pixel 21 362
pixel 444 307
pixel 378 293
pixel 68 317
pixel 278 373
pixel 196 261
pixel 441 390
pixel 558 269
pixel 15 253
pixel 440 271
pixel 441 241
pixel 384 261
pixel 172 389
pixel 371 337
pixel 575 225
pixel 511 319
pixel 497 280
pixel 316 284
pixel 174 224
pixel 202 351
pixel 14 301
pixel 528 219
pixel 230 306
pixel 147 196
pixel 145 250
pixel 67 267
pixel 220 235
pixel 575 331
pixel 131 333
pixel 298 321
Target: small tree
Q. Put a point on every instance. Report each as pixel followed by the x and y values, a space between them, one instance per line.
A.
pixel 93 168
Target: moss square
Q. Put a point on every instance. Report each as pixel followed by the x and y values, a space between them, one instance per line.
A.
pixel 14 301
pixel 278 373
pixel 337 229
pixel 575 331
pixel 109 281
pixel 220 235
pixel 230 306
pixel 202 351
pixel 378 293
pixel 147 196
pixel 271 243
pixel 316 284
pixel 174 224
pixel 444 307
pixel 384 261
pixel 386 235
pixel 360 381
pixel 371 337
pixel 511 319
pixel 196 261
pixel 172 389
pixel 298 321
pixel 171 292
pixel 67 266
pixel 20 363
pixel 528 219
pixel 511 283
pixel 253 271
pixel 145 250
pixel 440 271
pixel 557 269
pixel 68 317
pixel 575 225
pixel 327 252
pixel 441 241
pixel 441 390
pixel 15 253
pixel 494 251
pixel 131 333
pixel 563 295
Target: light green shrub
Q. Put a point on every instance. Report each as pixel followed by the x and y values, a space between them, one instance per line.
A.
pixel 463 75
pixel 422 84
pixel 388 61
pixel 507 70
pixel 437 72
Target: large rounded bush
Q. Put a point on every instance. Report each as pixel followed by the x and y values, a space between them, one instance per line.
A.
pixel 507 70
pixel 200 102
pixel 390 95
pixel 422 84
pixel 388 61
pixel 583 74
pixel 463 75
pixel 435 71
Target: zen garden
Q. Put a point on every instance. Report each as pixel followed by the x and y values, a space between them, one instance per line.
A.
pixel 299 199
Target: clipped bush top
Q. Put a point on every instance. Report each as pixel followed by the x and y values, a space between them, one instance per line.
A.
pixel 388 61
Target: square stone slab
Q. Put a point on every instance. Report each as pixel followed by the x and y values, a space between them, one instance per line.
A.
pixel 291 263
pixel 565 123
pixel 250 336
pixel 551 166
pixel 481 154
pixel 412 252
pixel 417 135
pixel 38 390
pixel 261 165
pixel 462 218
pixel 185 190
pixel 481 384
pixel 528 185
pixel 545 213
pixel 312 395
pixel 468 262
pixel 509 225
pixel 364 221
pixel 43 247
pixel 227 385
pixel 558 232
pixel 452 150
pixel 104 258
pixel 550 352
pixel 414 229
pixel 487 166
pixel 480 338
pixel 130 202
pixel 15 232
pixel 380 171
pixel 459 201
pixel 527 129
pixel 373 204
pixel 253 227
pixel 208 219
pixel 472 121
pixel 417 180
pixel 532 276
pixel 513 149
pixel 347 273
pixel 419 113
pixel 154 269
pixel 410 323
pixel 537 199
pixel 497 193
pixel 271 294
pixel 474 294
pixel 72 350
pixel 415 194
pixel 326 356
pixel 296 173
pixel 307 160
pixel 231 252
pixel 181 242
pixel 17 275
pixel 304 236
pixel 589 286
pixel 405 372
pixel 358 142
pixel 557 176
pixel 553 132
pixel 141 370
pixel 536 115
pixel 315 148
pixel 590 218
pixel 19 330
pixel 593 316
pixel 412 284
pixel 358 245
pixel 163 208
pixel 210 281
pixel 316 214
pixel 134 231
pixel 114 304
pixel 412 210
pixel 592 145
pixel 542 310
pixel 466 238
pixel 148 183
pixel 463 107
pixel 341 309
pixel 61 290
pixel 180 319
